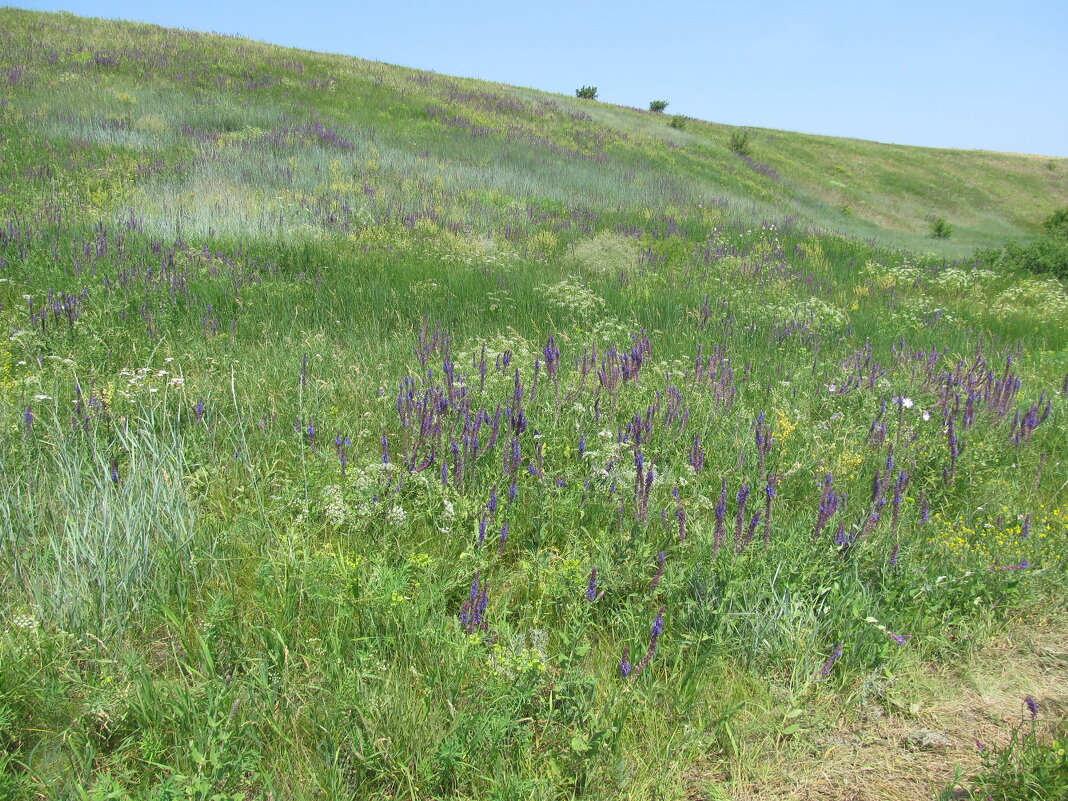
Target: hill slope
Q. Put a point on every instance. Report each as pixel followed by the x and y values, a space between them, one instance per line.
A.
pixel 147 93
pixel 367 433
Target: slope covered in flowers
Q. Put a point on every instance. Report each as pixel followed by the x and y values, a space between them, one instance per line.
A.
pixel 375 434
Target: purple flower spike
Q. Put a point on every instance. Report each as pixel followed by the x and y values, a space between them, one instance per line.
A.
pixel 624 663
pixel 1032 707
pixel 658 624
pixel 900 639
pixel 834 656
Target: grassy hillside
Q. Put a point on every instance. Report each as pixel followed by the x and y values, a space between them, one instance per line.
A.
pixel 369 433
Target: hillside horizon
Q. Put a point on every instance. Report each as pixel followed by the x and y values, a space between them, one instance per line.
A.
pixel 882 190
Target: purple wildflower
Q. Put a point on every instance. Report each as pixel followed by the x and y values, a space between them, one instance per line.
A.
pixel 654 641
pixel 834 656
pixel 721 512
pixel 1032 707
pixel 591 587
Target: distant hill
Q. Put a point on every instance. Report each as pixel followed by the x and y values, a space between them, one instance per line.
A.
pixel 409 141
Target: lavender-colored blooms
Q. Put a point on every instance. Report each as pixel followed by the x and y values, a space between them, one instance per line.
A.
pixel 658 624
pixel 829 503
pixel 720 533
pixel 27 418
pixel 840 537
pixel 900 639
pixel 341 445
pixel 473 611
pixel 624 663
pixel 828 664
pixel 385 449
pixel 892 561
pixel 1032 707
pixel 591 586
pixel 739 518
pixel 654 641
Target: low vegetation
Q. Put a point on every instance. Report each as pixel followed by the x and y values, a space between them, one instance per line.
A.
pixel 369 433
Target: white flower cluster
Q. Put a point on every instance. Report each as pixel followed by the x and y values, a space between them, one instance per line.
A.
pixel 1042 298
pixel 903 274
pixel 959 281
pixel 571 296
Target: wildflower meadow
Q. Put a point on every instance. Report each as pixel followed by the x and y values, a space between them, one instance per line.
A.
pixel 370 433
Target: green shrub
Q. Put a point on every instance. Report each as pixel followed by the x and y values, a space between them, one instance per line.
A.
pixel 658 105
pixel 1044 256
pixel 678 122
pixel 940 228
pixel 587 92
pixel 740 142
pixel 1056 224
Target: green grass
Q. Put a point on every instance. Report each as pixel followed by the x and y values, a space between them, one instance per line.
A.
pixel 227 265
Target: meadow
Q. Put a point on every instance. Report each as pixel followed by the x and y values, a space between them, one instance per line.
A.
pixel 371 433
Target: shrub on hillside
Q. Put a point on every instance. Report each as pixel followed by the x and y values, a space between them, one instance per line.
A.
pixel 587 92
pixel 940 228
pixel 1056 224
pixel 658 105
pixel 1047 255
pixel 678 122
pixel 740 143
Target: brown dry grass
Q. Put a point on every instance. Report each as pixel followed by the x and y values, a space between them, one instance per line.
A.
pixel 868 753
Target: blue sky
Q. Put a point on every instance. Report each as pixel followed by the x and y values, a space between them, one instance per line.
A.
pixel 942 73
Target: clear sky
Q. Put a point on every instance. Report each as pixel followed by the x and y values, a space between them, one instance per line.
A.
pixel 943 73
